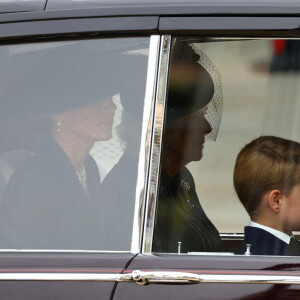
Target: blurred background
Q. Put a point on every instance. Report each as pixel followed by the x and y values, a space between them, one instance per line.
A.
pixel 261 96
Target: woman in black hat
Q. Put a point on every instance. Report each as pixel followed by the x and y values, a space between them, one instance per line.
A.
pixel 181 222
pixel 125 172
pixel 53 201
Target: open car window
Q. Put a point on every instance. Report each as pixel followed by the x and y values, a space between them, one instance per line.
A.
pixel 221 95
pixel 71 120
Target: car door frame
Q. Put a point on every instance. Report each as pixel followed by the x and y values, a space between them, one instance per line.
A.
pixel 24 270
pixel 175 275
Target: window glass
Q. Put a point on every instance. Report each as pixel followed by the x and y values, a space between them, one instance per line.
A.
pixel 71 120
pixel 221 95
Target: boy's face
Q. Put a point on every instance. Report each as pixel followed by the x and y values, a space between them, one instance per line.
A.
pixel 291 210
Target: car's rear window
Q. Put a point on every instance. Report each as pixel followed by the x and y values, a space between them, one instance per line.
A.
pixel 70 133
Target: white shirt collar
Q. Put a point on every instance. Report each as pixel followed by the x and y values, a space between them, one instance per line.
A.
pixel 283 236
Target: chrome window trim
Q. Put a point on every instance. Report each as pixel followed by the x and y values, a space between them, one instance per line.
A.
pixel 144 155
pixel 156 144
pixel 143 278
pixel 17 276
pixel 232 236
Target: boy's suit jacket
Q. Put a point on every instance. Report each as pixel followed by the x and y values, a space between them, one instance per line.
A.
pixel 265 243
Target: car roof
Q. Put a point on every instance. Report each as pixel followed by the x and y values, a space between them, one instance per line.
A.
pixel 145 16
pixel 182 7
pixel 97 3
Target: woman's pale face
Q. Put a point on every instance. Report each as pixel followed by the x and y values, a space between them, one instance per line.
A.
pixel 185 139
pixel 93 122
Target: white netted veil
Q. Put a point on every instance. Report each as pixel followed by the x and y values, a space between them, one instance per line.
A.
pixel 215 106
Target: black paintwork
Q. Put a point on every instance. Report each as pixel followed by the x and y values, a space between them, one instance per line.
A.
pixel 60 263
pixel 227 23
pixel 119 25
pixel 145 17
pixel 212 265
pixel 57 9
pixel 175 7
pixel 65 260
pixel 210 26
pixel 22 6
pixel 203 262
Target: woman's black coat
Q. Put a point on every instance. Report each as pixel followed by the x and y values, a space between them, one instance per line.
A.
pixel 46 207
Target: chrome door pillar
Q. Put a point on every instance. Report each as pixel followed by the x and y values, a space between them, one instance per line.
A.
pixel 154 167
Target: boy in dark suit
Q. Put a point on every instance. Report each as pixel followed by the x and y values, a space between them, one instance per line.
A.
pixel 267 181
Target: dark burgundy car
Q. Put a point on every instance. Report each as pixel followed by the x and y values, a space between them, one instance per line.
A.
pixel 120 123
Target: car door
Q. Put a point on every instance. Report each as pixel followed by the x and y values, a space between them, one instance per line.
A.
pixel 70 244
pixel 258 86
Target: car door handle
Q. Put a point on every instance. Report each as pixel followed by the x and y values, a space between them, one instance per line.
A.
pixel 143 278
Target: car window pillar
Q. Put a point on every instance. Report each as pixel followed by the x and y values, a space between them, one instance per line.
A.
pixel 154 167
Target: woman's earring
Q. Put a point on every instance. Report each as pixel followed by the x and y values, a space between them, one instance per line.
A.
pixel 59 123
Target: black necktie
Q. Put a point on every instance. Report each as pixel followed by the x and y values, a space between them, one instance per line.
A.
pixel 294 246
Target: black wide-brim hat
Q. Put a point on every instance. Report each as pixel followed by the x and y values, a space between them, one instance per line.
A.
pixel 63 79
pixel 190 85
pixel 132 91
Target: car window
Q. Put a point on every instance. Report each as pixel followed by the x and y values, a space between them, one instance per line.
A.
pixel 221 95
pixel 71 121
